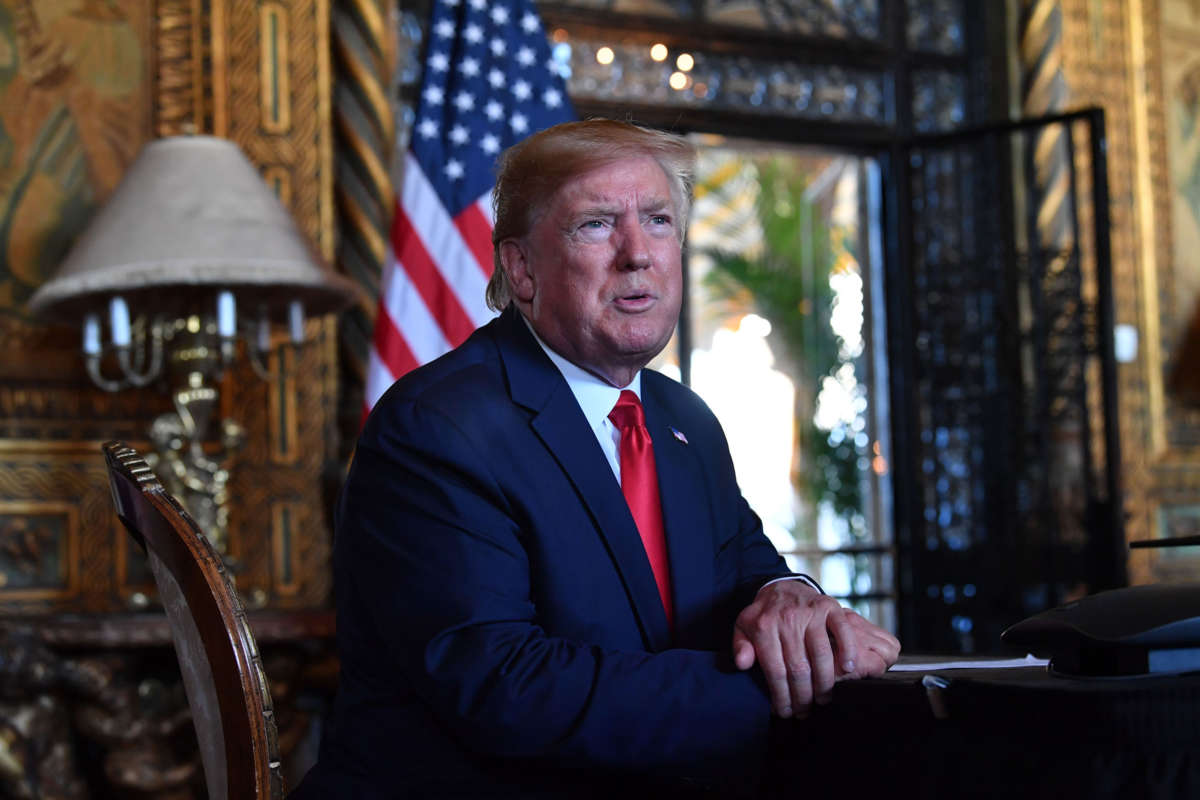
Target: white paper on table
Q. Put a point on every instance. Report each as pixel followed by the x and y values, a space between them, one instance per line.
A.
pixel 975 663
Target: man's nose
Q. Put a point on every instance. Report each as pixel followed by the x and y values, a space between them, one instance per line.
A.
pixel 635 245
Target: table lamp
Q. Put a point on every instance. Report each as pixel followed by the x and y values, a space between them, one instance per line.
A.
pixel 192 252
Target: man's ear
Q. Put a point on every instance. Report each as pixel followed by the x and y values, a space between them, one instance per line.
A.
pixel 516 266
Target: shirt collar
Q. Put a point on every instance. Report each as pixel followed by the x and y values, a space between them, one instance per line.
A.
pixel 595 396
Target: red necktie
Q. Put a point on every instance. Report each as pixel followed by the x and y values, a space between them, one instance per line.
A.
pixel 639 484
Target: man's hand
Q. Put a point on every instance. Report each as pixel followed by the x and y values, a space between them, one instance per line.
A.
pixel 877 649
pixel 804 642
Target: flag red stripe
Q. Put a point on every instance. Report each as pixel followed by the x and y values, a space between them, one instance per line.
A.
pixel 390 345
pixel 476 231
pixel 429 281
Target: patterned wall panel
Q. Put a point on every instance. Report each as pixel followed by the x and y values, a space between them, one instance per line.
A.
pixel 273 98
pixel 726 82
pixel 845 19
pixel 76 103
pixel 1121 55
pixel 56 523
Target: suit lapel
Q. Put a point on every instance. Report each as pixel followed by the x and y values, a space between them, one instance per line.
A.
pixel 536 384
pixel 684 500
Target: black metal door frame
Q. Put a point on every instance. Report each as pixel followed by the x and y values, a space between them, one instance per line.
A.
pixel 982 586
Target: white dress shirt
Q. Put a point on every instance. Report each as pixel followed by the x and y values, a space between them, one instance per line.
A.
pixel 596 399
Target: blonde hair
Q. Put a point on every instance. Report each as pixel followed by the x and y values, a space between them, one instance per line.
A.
pixel 532 170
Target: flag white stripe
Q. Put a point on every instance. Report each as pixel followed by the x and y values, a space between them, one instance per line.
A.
pixel 444 244
pixel 419 331
pixel 379 378
pixel 485 205
pixel 417 325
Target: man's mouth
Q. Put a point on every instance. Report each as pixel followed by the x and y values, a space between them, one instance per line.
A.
pixel 634 301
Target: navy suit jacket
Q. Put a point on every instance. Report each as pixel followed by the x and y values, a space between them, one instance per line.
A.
pixel 499 627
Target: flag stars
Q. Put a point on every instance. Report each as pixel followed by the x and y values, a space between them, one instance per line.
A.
pixel 464 101
pixel 427 129
pixel 487 48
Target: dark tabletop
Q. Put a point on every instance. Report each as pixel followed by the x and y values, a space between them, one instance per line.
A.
pixel 1021 733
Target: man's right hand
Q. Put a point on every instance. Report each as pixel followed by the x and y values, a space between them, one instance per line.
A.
pixel 804 642
pixel 877 649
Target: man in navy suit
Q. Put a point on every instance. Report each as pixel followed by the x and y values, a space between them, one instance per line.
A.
pixel 502 629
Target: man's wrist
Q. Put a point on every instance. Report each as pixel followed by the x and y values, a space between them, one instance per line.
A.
pixel 799 576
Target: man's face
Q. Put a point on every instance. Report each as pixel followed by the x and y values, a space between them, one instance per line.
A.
pixel 599 275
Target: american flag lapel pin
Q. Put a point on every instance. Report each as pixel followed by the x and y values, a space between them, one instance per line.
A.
pixel 678 434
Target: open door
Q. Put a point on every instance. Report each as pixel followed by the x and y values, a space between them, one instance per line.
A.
pixel 1003 377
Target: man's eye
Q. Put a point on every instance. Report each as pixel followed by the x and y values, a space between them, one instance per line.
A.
pixel 660 219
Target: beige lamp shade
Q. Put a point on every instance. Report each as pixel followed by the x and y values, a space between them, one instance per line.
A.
pixel 192 217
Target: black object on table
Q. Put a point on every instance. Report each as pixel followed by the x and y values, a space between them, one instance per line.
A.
pixel 995 733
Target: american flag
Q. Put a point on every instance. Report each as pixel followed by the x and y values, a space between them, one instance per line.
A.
pixel 489 81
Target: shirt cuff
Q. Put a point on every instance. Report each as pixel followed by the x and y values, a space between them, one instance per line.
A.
pixel 799 576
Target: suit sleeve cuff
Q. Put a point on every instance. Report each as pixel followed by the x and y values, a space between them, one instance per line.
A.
pixel 797 577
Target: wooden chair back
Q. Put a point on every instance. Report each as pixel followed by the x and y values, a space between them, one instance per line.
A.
pixel 222 669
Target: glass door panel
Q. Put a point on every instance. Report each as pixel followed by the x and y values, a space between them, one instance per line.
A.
pixel 787 348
